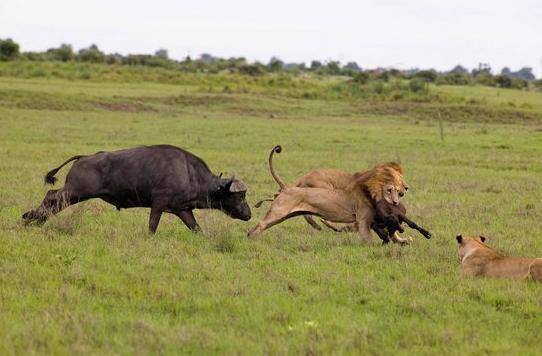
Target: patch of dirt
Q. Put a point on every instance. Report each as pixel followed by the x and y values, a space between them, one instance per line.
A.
pixel 126 107
pixel 188 100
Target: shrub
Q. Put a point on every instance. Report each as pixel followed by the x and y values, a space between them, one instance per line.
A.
pixel 91 54
pixel 64 53
pixel 503 81
pixel 361 78
pixel 427 75
pixel 417 85
pixel 8 49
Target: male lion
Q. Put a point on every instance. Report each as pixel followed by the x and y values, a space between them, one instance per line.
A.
pixel 337 179
pixel 477 259
pixel 351 203
pixel 383 197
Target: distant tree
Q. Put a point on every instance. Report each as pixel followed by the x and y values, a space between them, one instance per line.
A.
pixel 91 54
pixel 316 65
pixel 353 66
pixel 161 53
pixel 275 64
pixel 333 67
pixel 525 73
pixel 206 58
pixel 459 69
pixel 483 68
pixel 64 53
pixel 427 75
pixel 8 49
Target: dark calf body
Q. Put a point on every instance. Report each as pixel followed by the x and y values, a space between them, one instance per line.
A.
pixel 390 217
pixel 163 178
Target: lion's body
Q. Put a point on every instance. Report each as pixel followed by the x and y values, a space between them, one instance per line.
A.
pixel 335 179
pixel 477 259
pixel 325 178
pixel 333 195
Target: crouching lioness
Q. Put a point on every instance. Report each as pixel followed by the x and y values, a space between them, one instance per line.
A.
pixel 477 259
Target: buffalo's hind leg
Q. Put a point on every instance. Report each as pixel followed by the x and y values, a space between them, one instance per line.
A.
pixel 54 202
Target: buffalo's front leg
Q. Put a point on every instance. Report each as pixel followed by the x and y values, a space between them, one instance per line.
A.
pixel 187 217
pixel 157 208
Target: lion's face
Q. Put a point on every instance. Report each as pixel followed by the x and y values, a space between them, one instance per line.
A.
pixel 391 193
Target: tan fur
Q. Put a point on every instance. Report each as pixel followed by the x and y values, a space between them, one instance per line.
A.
pixel 334 179
pixel 374 180
pixel 477 259
pixel 331 194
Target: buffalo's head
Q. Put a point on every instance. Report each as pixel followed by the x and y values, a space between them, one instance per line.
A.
pixel 230 198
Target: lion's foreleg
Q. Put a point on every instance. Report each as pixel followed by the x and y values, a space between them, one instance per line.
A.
pixel 364 229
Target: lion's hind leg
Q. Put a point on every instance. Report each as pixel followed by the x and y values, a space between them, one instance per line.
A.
pixel 285 206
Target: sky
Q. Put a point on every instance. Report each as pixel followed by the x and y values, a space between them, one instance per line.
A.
pixel 374 33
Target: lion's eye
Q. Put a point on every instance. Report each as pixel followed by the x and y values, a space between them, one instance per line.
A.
pixel 389 190
pixel 401 194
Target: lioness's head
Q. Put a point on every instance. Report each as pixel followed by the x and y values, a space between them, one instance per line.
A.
pixel 468 244
pixel 386 182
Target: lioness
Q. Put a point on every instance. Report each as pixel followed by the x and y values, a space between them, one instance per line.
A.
pixel 477 259
pixel 349 204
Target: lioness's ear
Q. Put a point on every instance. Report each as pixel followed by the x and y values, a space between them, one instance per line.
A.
pixel 482 238
pixel 459 238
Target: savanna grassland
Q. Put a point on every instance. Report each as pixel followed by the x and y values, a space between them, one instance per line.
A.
pixel 92 280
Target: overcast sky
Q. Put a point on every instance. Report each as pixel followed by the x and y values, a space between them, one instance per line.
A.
pixel 388 33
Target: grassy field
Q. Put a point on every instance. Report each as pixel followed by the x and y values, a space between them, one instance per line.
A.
pixel 92 280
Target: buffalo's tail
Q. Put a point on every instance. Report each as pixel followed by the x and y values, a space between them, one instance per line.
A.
pixel 278 179
pixel 50 176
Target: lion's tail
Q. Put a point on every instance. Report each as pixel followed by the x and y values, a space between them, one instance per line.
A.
pixel 278 179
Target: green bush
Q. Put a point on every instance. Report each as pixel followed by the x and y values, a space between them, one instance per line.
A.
pixel 417 85
pixel 361 78
pixel 8 49
pixel 64 53
pixel 426 75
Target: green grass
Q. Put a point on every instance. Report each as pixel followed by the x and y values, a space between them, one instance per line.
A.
pixel 92 280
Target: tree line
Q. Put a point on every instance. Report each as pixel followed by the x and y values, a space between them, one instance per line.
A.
pixel 206 63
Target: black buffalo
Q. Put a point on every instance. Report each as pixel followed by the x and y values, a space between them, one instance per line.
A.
pixel 164 178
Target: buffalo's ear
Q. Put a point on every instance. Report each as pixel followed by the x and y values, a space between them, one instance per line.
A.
pixel 482 238
pixel 459 238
